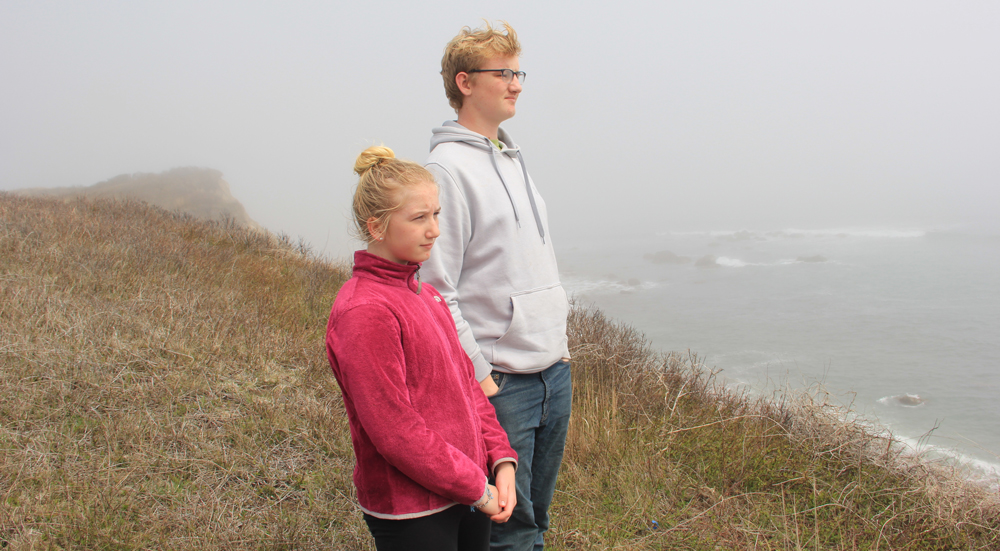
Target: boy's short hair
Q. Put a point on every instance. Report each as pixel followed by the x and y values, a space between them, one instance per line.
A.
pixel 470 49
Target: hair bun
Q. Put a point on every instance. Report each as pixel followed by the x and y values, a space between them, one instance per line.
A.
pixel 371 157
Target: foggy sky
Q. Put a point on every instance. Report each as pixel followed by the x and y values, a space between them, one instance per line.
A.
pixel 636 117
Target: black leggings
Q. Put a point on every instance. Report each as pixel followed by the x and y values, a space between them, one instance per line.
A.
pixel 457 528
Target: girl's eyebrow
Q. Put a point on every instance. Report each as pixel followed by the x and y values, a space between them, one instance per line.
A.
pixel 418 212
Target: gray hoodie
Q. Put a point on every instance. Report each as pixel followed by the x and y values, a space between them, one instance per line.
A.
pixel 494 261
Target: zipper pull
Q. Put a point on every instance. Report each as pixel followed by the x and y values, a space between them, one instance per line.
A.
pixel 417 275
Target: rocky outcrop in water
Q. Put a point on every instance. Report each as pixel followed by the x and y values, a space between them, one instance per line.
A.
pixel 707 261
pixel 665 257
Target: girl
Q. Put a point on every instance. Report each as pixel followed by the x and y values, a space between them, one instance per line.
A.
pixel 425 436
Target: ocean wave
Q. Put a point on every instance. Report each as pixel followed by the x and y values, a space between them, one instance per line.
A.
pixel 580 286
pixel 795 233
pixel 855 232
pixel 975 469
pixel 728 262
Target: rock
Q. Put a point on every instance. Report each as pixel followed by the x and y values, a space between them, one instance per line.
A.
pixel 665 257
pixel 911 400
pixel 707 261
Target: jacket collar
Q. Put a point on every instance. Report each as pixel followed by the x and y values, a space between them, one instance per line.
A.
pixel 376 268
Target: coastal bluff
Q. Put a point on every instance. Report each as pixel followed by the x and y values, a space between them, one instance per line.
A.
pixel 170 390
pixel 200 192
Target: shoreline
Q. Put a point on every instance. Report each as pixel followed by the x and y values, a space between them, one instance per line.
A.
pixel 173 393
pixel 892 312
pixel 980 471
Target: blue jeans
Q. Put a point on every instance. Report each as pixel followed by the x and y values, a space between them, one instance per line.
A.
pixel 534 410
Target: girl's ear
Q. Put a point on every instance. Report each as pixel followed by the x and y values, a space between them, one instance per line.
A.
pixel 374 228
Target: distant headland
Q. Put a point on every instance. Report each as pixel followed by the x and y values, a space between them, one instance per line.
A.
pixel 200 192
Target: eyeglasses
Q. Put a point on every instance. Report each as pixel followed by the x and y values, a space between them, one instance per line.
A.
pixel 506 75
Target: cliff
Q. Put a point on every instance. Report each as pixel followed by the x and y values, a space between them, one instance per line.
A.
pixel 200 192
pixel 165 386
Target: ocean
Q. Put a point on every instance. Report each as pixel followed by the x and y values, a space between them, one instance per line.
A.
pixel 902 325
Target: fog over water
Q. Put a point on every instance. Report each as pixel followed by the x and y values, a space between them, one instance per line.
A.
pixel 635 116
pixel 638 120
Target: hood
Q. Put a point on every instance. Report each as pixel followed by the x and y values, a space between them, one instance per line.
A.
pixel 451 131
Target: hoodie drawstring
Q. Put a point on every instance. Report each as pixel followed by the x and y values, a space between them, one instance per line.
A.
pixel 493 157
pixel 531 197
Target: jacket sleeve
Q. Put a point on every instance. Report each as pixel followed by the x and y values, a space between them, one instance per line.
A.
pixel 498 449
pixel 444 267
pixel 366 341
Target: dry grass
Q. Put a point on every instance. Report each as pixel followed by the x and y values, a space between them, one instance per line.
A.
pixel 660 457
pixel 166 387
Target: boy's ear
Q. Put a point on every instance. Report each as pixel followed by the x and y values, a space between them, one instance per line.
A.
pixel 463 81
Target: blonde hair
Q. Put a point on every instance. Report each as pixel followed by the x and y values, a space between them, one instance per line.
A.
pixel 470 49
pixel 381 177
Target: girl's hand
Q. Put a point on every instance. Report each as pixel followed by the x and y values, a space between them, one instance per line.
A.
pixel 506 493
pixel 489 387
pixel 492 506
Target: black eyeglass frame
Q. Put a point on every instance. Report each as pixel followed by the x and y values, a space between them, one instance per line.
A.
pixel 503 74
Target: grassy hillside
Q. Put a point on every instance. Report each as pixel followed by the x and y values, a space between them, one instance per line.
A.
pixel 165 387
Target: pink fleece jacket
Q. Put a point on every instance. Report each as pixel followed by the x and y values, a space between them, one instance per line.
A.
pixel 425 436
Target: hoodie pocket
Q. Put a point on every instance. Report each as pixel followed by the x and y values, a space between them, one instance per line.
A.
pixel 536 336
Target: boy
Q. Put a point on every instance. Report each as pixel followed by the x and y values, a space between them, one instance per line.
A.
pixel 495 265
